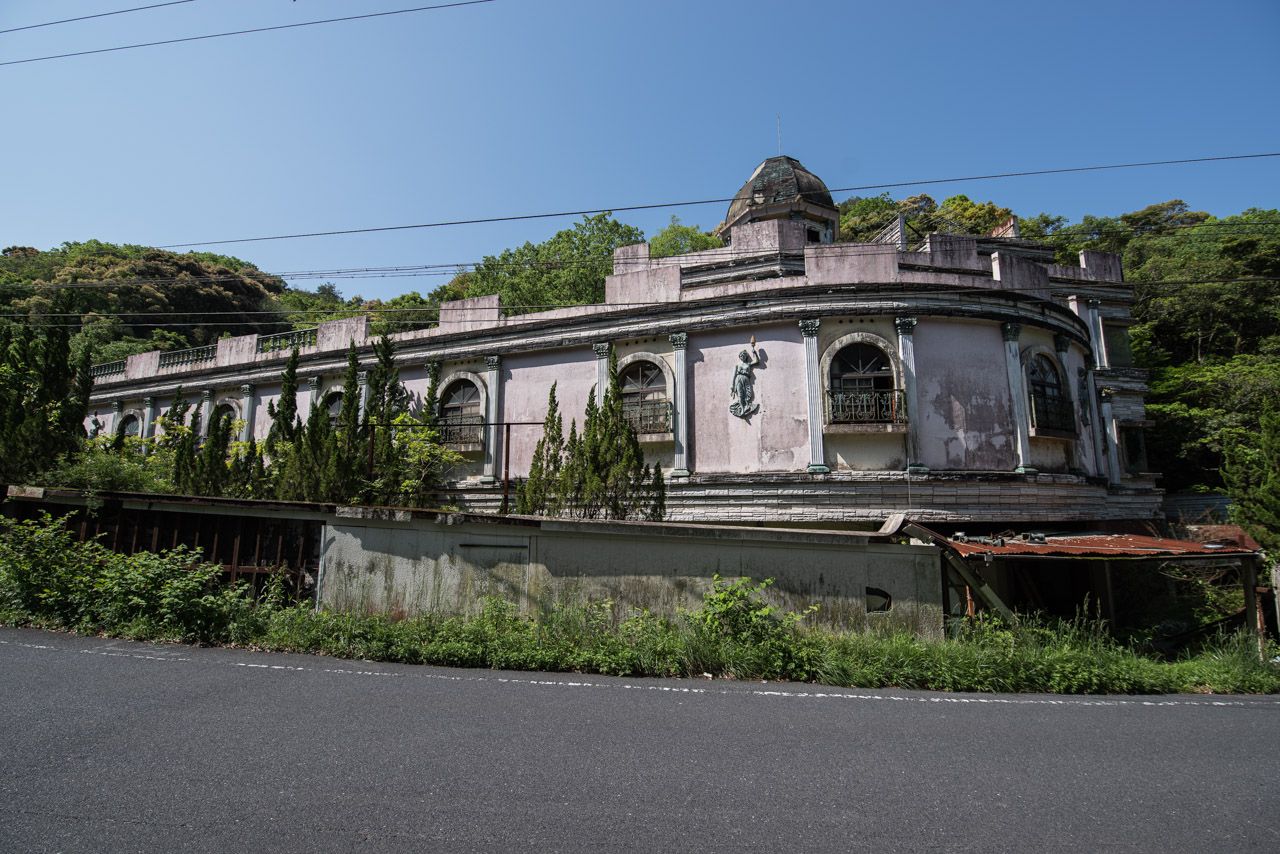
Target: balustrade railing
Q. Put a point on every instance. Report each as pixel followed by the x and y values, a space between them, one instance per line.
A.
pixel 866 407
pixel 194 356
pixel 286 340
pixel 461 429
pixel 648 416
pixel 1053 413
pixel 107 369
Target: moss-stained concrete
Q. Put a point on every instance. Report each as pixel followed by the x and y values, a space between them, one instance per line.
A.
pixel 448 563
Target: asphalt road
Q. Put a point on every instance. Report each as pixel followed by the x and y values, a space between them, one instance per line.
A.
pixel 110 746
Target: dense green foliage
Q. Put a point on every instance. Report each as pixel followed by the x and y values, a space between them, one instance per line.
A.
pixel 1252 473
pixel 43 399
pixel 131 299
pixel 48 579
pixel 567 269
pixel 598 475
pixel 678 239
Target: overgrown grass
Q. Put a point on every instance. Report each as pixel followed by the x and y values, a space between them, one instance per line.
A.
pixel 47 579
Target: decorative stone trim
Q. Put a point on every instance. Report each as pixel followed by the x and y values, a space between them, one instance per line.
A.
pixel 809 327
pixel 1011 331
pixel 905 325
pixel 679 340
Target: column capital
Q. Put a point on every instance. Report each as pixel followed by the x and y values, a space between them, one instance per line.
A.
pixel 313 383
pixel 206 395
pixel 149 402
pixel 1011 331
pixel 905 325
pixel 362 378
pixel 117 406
pixel 809 327
pixel 679 340
pixel 1093 304
pixel 1106 394
pixel 492 362
pixel 602 349
pixel 247 390
pixel 1061 342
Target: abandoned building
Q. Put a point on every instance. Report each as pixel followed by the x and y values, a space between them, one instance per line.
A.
pixel 785 379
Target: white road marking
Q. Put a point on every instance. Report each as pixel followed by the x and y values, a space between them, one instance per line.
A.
pixel 1005 700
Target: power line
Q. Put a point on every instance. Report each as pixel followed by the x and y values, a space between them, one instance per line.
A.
pixel 836 250
pixel 90 17
pixel 615 208
pixel 358 311
pixel 246 32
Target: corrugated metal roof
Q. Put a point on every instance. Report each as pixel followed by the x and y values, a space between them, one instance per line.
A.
pixel 1094 545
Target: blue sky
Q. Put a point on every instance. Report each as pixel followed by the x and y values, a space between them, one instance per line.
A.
pixel 530 106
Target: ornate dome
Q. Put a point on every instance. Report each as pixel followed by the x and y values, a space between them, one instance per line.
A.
pixel 780 186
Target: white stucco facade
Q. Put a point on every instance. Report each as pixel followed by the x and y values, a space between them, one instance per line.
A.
pixel 959 380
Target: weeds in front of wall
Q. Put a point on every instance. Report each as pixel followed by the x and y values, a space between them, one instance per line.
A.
pixel 48 579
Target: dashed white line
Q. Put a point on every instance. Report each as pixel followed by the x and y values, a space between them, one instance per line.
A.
pixel 1273 702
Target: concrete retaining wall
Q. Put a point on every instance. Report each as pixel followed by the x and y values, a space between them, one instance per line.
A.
pixel 409 563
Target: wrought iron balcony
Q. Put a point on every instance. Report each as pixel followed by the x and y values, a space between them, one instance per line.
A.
pixel 286 341
pixel 1052 413
pixel 648 416
pixel 108 369
pixel 461 429
pixel 194 356
pixel 866 407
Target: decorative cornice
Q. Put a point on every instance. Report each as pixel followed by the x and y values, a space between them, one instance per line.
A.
pixel 809 327
pixel 905 325
pixel 1011 331
pixel 679 340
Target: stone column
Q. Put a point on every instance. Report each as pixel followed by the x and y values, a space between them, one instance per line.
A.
pixel 1061 345
pixel 906 327
pixel 362 383
pixel 680 406
pixel 492 416
pixel 602 370
pixel 814 395
pixel 313 398
pixel 117 412
pixel 1095 332
pixel 1018 396
pixel 148 422
pixel 1109 430
pixel 206 412
pixel 247 410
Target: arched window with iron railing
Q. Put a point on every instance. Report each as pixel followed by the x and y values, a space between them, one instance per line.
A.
pixel 645 402
pixel 861 388
pixel 1051 407
pixel 461 417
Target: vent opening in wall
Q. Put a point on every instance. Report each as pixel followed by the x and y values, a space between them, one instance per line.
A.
pixel 878 601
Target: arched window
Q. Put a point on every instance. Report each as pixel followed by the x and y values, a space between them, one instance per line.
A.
pixel 861 389
pixel 461 414
pixel 1050 405
pixel 222 410
pixel 644 397
pixel 333 407
pixel 130 426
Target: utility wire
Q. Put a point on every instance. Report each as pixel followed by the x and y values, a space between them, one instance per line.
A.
pixel 98 15
pixel 246 32
pixel 836 250
pixel 358 311
pixel 613 209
